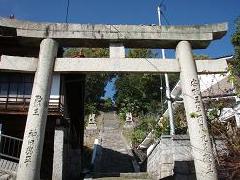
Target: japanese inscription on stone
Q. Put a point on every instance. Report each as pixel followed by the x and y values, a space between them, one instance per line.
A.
pixel 37 103
pixel 207 156
pixel 31 138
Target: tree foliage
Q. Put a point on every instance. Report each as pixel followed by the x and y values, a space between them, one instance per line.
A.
pixel 140 93
pixel 228 162
pixel 227 155
pixel 200 57
pixel 147 124
pixel 107 104
pixel 234 68
pixel 95 83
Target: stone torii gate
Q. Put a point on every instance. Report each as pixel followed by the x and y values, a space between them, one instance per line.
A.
pixel 51 36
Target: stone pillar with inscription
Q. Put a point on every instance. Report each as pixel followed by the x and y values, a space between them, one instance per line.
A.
pixel 195 113
pixel 31 153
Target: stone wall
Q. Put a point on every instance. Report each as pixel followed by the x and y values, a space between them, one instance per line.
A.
pixel 66 160
pixel 171 157
pixel 58 157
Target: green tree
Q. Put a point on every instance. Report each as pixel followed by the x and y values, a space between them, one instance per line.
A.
pixel 131 89
pixel 234 68
pixel 147 124
pixel 200 57
pixel 140 93
pixel 108 104
pixel 95 83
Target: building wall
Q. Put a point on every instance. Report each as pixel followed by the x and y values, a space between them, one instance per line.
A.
pixel 17 84
pixel 16 89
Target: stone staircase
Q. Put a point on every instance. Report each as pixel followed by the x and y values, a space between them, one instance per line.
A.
pixel 116 161
pixel 8 169
pixel 121 176
pixel 114 154
pixel 115 157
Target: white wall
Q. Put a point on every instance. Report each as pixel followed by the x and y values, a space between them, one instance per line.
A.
pixel 207 80
pixel 55 90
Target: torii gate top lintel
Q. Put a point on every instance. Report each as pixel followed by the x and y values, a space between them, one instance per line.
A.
pixel 132 36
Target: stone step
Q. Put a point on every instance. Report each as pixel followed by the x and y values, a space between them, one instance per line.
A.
pixel 7 169
pixel 7 165
pixel 122 178
pixel 4 175
pixel 138 176
pixel 114 153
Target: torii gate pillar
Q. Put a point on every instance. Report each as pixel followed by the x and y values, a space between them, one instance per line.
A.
pixel 195 113
pixel 31 153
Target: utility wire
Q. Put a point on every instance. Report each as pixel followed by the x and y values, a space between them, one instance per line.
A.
pixel 162 3
pixel 165 18
pixel 161 79
pixel 67 11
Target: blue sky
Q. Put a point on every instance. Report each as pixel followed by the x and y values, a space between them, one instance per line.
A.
pixel 178 12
